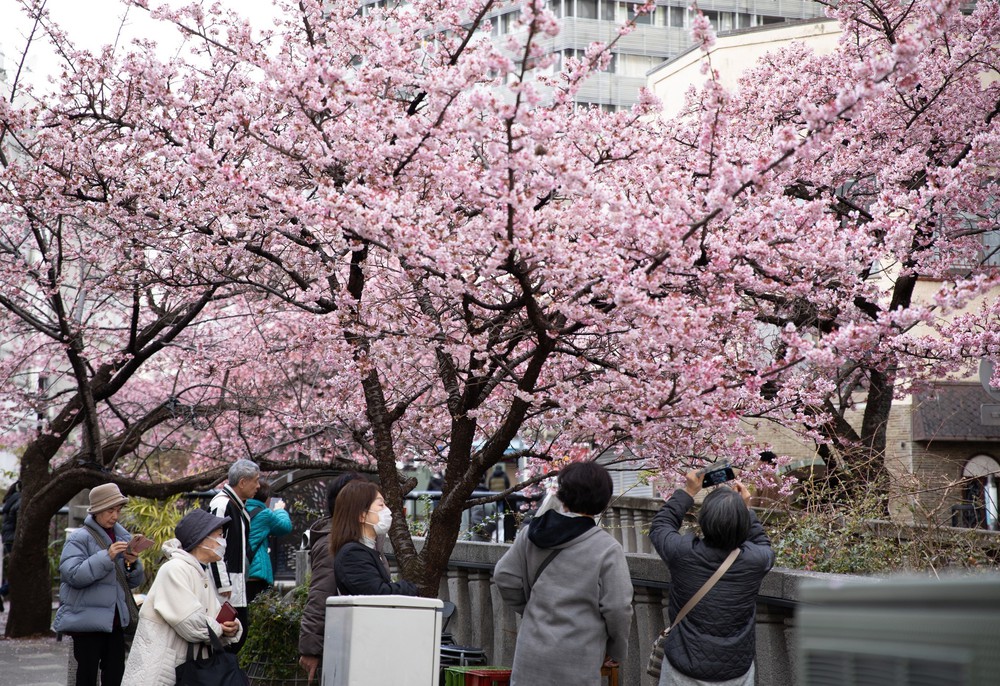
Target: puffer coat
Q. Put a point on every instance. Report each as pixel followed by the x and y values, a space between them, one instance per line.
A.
pixel 89 590
pixel 716 640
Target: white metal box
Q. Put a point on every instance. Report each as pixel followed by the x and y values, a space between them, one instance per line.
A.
pixel 382 639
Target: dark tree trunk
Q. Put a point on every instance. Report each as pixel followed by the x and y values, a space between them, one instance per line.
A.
pixel 30 585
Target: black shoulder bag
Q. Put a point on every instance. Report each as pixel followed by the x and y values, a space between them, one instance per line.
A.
pixel 538 573
pixel 218 668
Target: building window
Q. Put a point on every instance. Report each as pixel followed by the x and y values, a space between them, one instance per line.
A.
pixel 991 248
pixel 586 9
pixel 507 22
pixel 639 18
pixel 978 508
pixel 635 65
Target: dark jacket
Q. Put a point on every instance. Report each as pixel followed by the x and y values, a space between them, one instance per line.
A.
pixel 11 507
pixel 359 571
pixel 322 585
pixel 715 641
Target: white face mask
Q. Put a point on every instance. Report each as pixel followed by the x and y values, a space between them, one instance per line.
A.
pixel 220 546
pixel 384 522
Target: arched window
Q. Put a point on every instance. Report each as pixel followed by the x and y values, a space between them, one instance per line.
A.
pixel 979 494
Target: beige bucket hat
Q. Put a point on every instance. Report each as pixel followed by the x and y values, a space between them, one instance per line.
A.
pixel 104 497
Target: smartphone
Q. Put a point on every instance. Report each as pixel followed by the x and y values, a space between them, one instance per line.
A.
pixel 277 504
pixel 227 613
pixel 718 475
pixel 137 544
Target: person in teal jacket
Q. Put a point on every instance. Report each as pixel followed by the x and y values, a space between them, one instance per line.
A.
pixel 264 523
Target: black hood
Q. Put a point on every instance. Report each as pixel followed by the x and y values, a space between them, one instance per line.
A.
pixel 553 529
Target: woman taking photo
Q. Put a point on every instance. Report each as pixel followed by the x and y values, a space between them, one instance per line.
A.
pixel 97 574
pixel 359 517
pixel 182 605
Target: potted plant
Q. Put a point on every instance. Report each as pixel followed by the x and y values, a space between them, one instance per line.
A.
pixel 270 655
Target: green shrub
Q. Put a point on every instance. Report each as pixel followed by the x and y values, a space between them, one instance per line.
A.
pixel 155 519
pixel 54 556
pixel 853 536
pixel 271 652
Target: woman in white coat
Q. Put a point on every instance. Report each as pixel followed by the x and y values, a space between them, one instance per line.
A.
pixel 182 603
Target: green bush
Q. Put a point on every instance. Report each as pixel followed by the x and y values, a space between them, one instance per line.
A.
pixel 54 556
pixel 271 652
pixel 155 519
pixel 853 536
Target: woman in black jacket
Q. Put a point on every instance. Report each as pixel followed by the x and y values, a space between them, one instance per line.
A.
pixel 714 643
pixel 322 582
pixel 359 517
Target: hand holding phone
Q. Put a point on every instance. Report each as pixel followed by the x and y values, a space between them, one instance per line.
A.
pixel 137 544
pixel 227 613
pixel 717 474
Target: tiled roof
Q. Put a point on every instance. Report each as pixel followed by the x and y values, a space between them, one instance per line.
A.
pixel 953 412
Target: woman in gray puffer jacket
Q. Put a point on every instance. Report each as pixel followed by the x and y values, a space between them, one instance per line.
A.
pixel 93 606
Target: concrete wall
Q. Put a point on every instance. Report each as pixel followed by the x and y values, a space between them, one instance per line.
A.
pixel 483 621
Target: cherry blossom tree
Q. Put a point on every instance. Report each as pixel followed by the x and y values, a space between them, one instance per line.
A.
pixel 872 252
pixel 381 235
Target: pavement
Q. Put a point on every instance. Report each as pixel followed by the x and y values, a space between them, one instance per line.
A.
pixel 32 661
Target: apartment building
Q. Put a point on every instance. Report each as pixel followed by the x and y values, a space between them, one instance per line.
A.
pixel 659 35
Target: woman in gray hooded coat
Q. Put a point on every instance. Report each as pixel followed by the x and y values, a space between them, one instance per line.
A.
pixel 569 580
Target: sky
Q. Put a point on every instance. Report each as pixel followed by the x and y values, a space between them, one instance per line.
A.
pixel 94 23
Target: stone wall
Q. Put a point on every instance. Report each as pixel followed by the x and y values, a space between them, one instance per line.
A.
pixel 483 621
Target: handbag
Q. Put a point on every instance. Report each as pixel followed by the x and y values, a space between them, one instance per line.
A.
pixel 218 668
pixel 133 609
pixel 655 663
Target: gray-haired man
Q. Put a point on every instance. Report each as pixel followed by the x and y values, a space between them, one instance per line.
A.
pixel 230 572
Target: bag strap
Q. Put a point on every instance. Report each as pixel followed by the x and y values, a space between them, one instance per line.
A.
pixel 119 573
pixel 706 587
pixel 538 572
pixel 194 650
pixel 214 640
